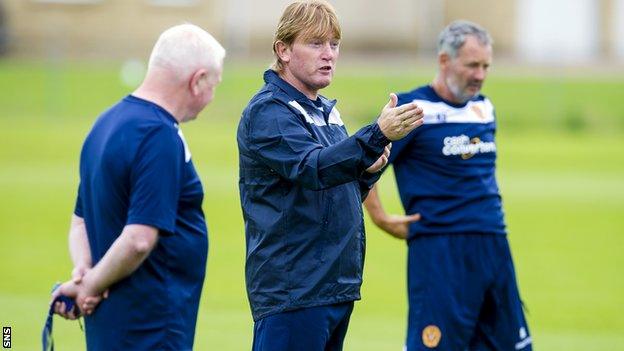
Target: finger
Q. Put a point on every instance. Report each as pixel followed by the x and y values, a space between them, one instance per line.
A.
pixel 393 101
pixel 386 151
pixel 411 113
pixel 92 301
pixel 407 219
pixel 389 146
pixel 57 307
pixel 105 294
pixel 414 117
pixel 414 124
pixel 406 109
pixel 414 217
pixel 87 309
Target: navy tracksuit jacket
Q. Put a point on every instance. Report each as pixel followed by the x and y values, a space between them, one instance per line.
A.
pixel 302 181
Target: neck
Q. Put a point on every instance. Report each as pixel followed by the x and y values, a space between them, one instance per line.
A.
pixel 310 93
pixel 158 89
pixel 441 88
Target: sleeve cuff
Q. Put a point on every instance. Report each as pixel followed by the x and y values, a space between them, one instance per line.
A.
pixel 377 137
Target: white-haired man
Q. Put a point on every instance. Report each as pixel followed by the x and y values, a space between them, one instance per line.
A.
pixel 461 281
pixel 138 233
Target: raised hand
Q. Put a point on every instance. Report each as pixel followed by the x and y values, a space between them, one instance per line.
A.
pixel 396 122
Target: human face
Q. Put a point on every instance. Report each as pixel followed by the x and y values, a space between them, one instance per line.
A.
pixel 464 75
pixel 209 86
pixel 203 86
pixel 309 64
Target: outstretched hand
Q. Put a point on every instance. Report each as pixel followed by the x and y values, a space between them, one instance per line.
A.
pixel 396 122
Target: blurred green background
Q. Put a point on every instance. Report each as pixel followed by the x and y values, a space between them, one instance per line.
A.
pixel 560 168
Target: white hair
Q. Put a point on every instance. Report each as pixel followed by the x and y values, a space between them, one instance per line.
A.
pixel 454 36
pixel 185 48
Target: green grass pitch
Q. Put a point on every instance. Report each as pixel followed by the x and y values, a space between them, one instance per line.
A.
pixel 560 168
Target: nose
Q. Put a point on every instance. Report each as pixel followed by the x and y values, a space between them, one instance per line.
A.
pixel 328 53
pixel 480 73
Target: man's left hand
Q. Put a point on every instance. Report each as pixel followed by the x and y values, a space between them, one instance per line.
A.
pixel 381 162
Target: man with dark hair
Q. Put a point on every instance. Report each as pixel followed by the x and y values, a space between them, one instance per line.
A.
pixel 302 180
pixel 461 282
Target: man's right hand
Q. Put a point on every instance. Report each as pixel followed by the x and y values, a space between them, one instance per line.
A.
pixel 395 225
pixel 396 122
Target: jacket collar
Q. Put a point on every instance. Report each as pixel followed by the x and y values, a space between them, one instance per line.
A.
pixel 271 77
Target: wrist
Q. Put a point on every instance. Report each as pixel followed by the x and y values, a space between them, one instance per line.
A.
pixel 379 137
pixel 89 282
pixel 379 220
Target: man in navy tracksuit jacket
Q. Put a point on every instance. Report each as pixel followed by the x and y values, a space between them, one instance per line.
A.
pixel 302 180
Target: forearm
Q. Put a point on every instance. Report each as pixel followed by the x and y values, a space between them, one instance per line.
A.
pixel 123 257
pixel 374 207
pixel 397 226
pixel 79 248
pixel 367 182
pixel 314 166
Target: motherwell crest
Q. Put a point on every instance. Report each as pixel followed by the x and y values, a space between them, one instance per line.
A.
pixel 431 336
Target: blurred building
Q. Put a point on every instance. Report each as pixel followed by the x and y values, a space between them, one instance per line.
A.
pixel 533 30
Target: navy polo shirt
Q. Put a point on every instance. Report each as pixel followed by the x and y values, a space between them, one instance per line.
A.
pixel 446 169
pixel 135 168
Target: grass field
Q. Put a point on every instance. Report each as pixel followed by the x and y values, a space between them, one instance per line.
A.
pixel 561 171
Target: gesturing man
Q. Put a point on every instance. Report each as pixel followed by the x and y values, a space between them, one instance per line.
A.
pixel 302 180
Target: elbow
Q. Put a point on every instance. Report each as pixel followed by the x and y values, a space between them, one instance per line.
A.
pixel 142 240
pixel 142 247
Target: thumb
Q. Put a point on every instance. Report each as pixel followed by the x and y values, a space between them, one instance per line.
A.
pixel 393 101
pixel 413 217
pixel 77 274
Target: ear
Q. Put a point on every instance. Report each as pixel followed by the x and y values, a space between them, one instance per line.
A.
pixel 443 60
pixel 283 51
pixel 197 81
